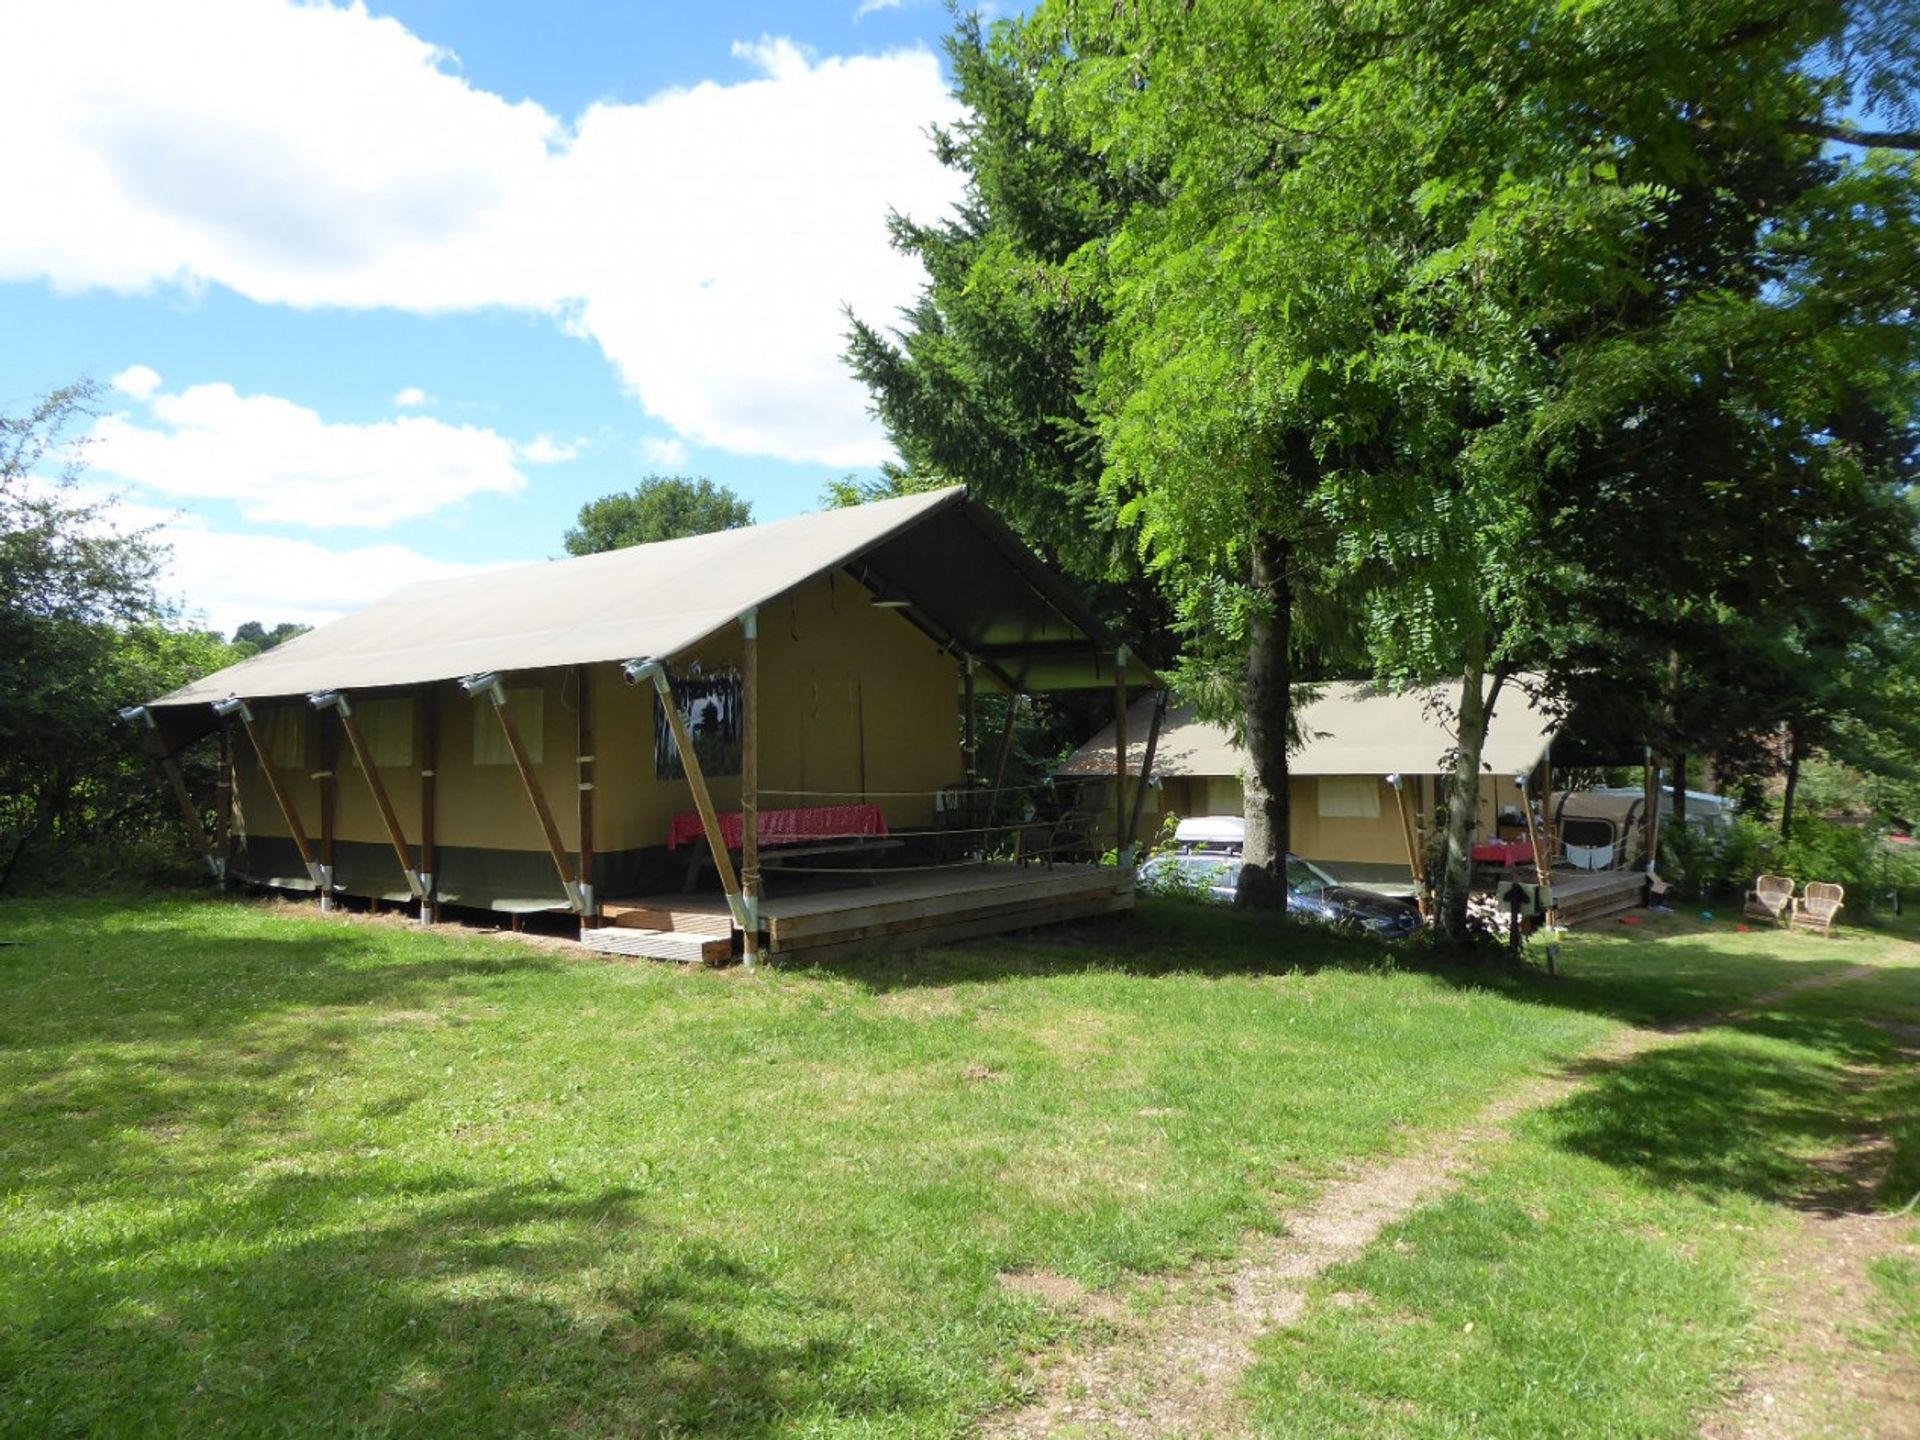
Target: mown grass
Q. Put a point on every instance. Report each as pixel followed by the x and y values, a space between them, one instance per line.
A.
pixel 1598 1278
pixel 265 1172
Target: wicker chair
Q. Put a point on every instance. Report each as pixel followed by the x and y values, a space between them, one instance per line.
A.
pixel 1771 899
pixel 1819 907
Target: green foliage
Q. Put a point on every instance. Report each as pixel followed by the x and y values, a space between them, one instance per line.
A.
pixel 252 638
pixel 81 635
pixel 660 507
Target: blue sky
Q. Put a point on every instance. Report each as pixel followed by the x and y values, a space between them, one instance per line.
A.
pixel 383 290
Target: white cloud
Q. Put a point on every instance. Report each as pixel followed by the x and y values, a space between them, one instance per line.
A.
pixel 222 579
pixel 278 461
pixel 667 454
pixel 309 155
pixel 230 578
pixel 874 7
pixel 545 450
pixel 411 398
pixel 139 381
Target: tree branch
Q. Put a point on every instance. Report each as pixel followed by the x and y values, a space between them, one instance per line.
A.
pixel 1852 135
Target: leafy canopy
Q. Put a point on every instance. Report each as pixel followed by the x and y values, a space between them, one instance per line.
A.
pixel 660 507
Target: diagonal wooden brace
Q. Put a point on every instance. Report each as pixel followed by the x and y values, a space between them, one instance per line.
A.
pixel 337 700
pixel 638 671
pixel 234 705
pixel 491 688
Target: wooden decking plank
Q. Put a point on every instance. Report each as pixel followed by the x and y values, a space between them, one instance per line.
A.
pixel 971 928
pixel 874 909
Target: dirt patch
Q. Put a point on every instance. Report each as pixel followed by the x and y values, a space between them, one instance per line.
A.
pixel 1177 1368
pixel 1825 1379
pixel 1063 1292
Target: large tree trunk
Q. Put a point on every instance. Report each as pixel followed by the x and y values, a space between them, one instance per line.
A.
pixel 1263 874
pixel 1796 752
pixel 1463 799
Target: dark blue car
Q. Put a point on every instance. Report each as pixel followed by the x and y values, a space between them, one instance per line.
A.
pixel 1312 894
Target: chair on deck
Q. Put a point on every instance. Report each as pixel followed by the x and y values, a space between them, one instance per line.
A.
pixel 1075 831
pixel 1771 899
pixel 1819 907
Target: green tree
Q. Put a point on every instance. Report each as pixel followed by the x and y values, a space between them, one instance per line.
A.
pixel 250 637
pixel 660 507
pixel 1421 284
pixel 82 634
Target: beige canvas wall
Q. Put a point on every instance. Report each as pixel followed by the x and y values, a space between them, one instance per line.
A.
pixel 853 699
pixel 1376 839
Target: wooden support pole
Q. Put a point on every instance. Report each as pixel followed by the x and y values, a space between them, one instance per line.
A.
pixel 223 804
pixel 1146 769
pixel 427 729
pixel 395 835
pixel 1014 702
pixel 496 695
pixel 271 773
pixel 1120 757
pixel 970 741
pixel 702 801
pixel 1410 833
pixel 329 760
pixel 587 759
pixel 750 785
pixel 189 812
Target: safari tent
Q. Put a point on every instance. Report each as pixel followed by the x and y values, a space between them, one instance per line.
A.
pixel 566 735
pixel 1365 785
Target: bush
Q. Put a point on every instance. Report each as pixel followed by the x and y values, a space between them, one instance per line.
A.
pixel 1703 861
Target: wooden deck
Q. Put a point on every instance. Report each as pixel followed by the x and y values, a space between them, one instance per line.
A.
pixel 912 908
pixel 1589 897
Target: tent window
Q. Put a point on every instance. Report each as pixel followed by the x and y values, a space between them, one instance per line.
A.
pixel 283 730
pixel 1349 797
pixel 388 728
pixel 528 706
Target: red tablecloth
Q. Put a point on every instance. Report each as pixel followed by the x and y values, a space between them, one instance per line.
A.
pixel 784 827
pixel 1503 852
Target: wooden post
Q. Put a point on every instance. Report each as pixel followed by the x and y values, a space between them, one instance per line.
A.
pixel 189 812
pixel 1014 702
pixel 1540 865
pixel 223 804
pixel 1120 757
pixel 395 835
pixel 329 758
pixel 1410 832
pixel 702 801
pixel 970 742
pixel 427 729
pixel 750 784
pixel 586 760
pixel 1146 769
pixel 281 798
pixel 497 696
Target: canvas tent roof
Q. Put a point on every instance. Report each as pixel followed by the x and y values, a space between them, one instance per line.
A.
pixel 1351 728
pixel 952 566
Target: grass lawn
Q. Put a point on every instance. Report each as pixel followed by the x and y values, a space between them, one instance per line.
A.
pixel 260 1171
pixel 1601 1277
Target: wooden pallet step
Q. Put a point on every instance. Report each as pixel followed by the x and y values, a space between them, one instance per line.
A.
pixel 657 944
pixel 652 917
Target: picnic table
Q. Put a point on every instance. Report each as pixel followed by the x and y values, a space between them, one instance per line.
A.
pixel 1505 853
pixel 793 832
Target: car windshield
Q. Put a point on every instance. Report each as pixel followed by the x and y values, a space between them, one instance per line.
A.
pixel 1303 879
pixel 1207 870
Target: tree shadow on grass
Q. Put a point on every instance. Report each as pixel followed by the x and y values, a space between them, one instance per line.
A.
pixel 450 1309
pixel 1664 978
pixel 1730 1113
pixel 133 973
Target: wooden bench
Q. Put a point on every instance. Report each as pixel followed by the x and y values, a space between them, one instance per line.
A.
pixel 772 857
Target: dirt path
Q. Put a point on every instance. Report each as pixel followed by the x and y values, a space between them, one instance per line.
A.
pixel 1177 1370
pixel 1823 1380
